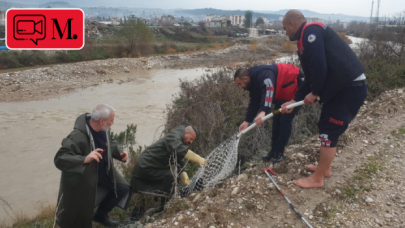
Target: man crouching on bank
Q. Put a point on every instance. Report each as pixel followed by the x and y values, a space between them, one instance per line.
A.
pixel 152 172
pixel 89 178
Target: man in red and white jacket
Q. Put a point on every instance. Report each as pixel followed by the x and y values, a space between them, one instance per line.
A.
pixel 268 84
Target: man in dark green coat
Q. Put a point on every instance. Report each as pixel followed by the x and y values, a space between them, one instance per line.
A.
pixel 89 178
pixel 152 169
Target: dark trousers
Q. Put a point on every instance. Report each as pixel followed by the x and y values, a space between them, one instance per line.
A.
pixel 337 114
pixel 281 130
pixel 111 200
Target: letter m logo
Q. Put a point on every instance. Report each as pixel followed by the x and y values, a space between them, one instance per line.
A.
pixel 61 33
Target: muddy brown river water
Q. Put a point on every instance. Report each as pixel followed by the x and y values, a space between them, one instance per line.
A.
pixel 31 132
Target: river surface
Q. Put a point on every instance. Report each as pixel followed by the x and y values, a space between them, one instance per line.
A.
pixel 31 132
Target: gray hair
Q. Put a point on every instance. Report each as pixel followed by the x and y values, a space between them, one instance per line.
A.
pixel 101 111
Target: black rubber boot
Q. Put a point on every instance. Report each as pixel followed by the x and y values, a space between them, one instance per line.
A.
pixel 269 156
pixel 105 220
pixel 279 157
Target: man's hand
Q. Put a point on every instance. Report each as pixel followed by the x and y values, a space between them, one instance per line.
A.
pixel 94 155
pixel 310 99
pixel 284 109
pixel 243 126
pixel 259 118
pixel 184 178
pixel 124 156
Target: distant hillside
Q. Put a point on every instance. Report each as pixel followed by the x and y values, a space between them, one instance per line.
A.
pixel 5 5
pixel 207 11
pixel 333 17
pixel 196 13
pixel 57 5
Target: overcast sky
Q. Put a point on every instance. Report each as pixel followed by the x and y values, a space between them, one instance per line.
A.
pixel 348 7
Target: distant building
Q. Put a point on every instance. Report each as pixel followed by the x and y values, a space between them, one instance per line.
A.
pixel 108 22
pixel 236 19
pixel 115 19
pixel 213 23
pixel 132 17
pixel 167 20
pixel 146 21
pixel 344 24
pixel 218 22
pixel 210 17
pixel 315 19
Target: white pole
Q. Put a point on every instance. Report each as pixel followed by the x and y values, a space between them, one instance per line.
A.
pixel 296 104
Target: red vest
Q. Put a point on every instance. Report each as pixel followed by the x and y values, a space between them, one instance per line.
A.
pixel 286 82
pixel 302 33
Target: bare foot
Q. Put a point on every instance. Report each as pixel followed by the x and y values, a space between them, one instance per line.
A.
pixel 312 168
pixel 308 182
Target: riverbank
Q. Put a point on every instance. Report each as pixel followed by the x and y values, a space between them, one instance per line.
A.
pixel 52 81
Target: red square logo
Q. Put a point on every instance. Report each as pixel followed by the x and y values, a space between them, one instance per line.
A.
pixel 39 29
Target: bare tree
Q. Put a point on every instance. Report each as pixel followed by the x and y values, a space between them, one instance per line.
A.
pixel 135 38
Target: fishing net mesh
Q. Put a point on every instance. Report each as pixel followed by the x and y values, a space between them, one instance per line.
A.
pixel 219 164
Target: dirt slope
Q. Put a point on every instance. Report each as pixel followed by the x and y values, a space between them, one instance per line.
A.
pixel 366 188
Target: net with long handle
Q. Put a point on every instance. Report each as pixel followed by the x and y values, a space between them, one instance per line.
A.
pixel 219 164
pixel 222 160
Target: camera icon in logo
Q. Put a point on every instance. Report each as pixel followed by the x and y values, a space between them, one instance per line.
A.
pixel 29 27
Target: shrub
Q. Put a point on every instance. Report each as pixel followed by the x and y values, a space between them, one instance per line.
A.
pixel 244 41
pixel 213 104
pixel 216 107
pixel 135 37
pixel 383 75
pixel 74 56
pixel 62 57
pixel 171 51
pixel 181 48
pixel 253 46
pixel 216 46
pixel 159 49
pixel 182 36
pixel 32 58
pixel 127 140
pixel 383 58
pixel 8 60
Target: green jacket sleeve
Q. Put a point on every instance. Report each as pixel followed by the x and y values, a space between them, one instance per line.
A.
pixel 175 145
pixel 69 157
pixel 116 150
pixel 180 157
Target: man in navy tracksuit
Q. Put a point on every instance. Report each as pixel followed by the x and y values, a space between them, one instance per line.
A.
pixel 335 74
pixel 267 84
